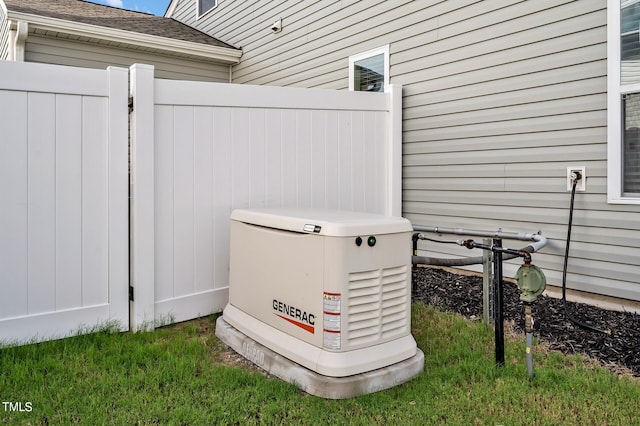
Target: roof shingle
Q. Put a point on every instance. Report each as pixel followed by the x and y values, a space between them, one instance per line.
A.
pixel 112 17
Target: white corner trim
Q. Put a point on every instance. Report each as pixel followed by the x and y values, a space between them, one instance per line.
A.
pixel 170 9
pixel 221 54
pixel 11 51
pixel 614 155
pixel 22 32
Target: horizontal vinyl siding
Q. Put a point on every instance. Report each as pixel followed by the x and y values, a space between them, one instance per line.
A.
pixel 185 12
pixel 494 112
pixel 307 53
pixel 4 36
pixel 80 54
pixel 499 97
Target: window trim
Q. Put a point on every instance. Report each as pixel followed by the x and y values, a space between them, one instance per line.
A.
pixel 614 108
pixel 198 11
pixel 384 50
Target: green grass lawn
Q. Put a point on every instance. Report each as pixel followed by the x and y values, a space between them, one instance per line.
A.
pixel 180 375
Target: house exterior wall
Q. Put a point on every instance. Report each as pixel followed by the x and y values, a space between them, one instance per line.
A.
pixel 4 35
pixel 43 49
pixel 499 98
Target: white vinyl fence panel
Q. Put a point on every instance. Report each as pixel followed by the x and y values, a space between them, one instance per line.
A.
pixel 78 227
pixel 217 147
pixel 63 192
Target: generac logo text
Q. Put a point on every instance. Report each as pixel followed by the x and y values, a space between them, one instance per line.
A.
pixel 295 316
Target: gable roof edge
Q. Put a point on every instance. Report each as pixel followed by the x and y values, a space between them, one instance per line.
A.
pixel 218 53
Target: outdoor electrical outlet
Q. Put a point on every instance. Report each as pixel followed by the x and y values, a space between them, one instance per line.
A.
pixel 572 172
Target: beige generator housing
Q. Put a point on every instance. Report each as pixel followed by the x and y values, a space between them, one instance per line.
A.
pixel 328 290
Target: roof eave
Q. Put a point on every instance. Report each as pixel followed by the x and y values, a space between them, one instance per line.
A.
pixel 221 54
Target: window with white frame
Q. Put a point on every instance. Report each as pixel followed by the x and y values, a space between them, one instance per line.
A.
pixel 369 71
pixel 623 168
pixel 205 5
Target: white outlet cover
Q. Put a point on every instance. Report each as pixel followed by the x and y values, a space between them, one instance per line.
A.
pixel 581 186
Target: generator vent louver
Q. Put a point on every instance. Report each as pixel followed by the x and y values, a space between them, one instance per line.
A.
pixel 377 305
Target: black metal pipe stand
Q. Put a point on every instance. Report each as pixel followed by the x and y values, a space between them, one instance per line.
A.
pixel 498 305
pixel 498 301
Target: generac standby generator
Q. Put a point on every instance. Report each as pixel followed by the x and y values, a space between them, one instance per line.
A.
pixel 328 290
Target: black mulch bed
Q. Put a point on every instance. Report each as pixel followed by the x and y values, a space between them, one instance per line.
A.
pixel 463 294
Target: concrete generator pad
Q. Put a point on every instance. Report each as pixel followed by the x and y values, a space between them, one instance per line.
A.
pixel 312 382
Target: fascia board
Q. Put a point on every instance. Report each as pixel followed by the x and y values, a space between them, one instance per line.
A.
pixel 222 54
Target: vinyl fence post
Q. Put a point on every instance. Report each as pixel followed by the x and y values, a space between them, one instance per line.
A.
pixel 142 201
pixel 394 152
